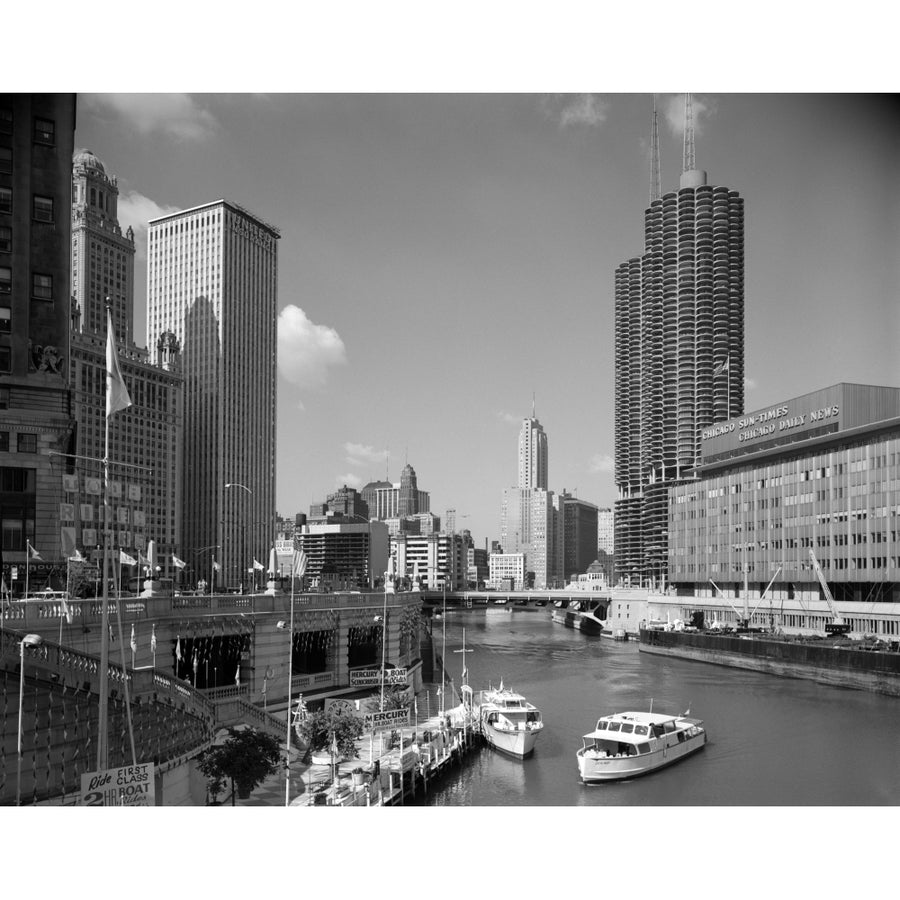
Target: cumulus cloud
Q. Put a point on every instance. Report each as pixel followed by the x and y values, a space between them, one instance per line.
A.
pixel 600 463
pixel 509 418
pixel 349 479
pixel 749 384
pixel 672 109
pixel 307 351
pixel 176 115
pixel 363 455
pixel 137 210
pixel 575 109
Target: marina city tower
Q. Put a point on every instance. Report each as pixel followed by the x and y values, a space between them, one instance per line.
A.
pixel 679 351
pixel 212 282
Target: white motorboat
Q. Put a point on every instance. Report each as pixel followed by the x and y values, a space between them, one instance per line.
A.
pixel 508 721
pixel 628 744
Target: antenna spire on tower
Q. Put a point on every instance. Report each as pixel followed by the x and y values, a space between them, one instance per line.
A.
pixel 655 189
pixel 689 163
pixel 532 404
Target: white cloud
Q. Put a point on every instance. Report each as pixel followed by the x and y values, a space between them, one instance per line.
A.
pixel 137 210
pixel 349 479
pixel 749 384
pixel 600 462
pixel 363 455
pixel 672 109
pixel 509 418
pixel 177 115
pixel 306 351
pixel 583 109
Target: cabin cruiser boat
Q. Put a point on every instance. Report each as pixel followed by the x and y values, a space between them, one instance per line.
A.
pixel 508 721
pixel 628 744
pixel 582 614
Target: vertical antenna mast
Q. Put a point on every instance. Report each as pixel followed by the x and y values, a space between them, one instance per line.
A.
pixel 689 163
pixel 655 189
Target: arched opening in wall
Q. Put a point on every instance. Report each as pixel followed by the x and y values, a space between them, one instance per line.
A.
pixel 364 646
pixel 309 651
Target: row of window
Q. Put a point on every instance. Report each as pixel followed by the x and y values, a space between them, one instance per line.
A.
pixel 41 284
pixel 43 130
pixel 42 207
pixel 25 443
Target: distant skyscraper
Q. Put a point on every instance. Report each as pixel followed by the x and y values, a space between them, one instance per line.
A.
pixel 532 455
pixel 527 510
pixel 385 500
pixel 37 134
pixel 145 439
pixel 212 276
pixel 679 333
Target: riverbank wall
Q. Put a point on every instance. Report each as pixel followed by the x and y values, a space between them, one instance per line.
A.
pixel 832 664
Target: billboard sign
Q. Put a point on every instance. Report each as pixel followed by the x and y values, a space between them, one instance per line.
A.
pixel 389 719
pixel 125 786
pixel 372 677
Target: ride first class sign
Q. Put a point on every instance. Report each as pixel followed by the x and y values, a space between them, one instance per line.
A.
pixel 125 786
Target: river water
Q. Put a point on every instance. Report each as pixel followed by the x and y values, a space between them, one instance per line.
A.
pixel 772 741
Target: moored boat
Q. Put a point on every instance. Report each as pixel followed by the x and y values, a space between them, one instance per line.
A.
pixel 508 721
pixel 624 745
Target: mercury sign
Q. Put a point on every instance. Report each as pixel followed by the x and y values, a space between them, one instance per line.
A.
pixel 125 786
pixel 371 677
pixel 390 718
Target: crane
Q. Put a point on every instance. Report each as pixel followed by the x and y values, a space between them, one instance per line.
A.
pixel 743 621
pixel 837 624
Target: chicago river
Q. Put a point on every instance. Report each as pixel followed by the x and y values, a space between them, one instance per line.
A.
pixel 772 741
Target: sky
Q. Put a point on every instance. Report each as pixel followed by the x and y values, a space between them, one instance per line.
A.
pixel 446 260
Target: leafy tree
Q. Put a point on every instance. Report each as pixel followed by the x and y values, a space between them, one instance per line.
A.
pixel 246 758
pixel 318 727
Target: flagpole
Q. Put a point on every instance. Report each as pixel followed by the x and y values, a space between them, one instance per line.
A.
pixel 102 724
pixel 287 713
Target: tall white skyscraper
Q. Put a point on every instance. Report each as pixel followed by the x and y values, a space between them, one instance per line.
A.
pixel 532 455
pixel 212 274
pixel 526 514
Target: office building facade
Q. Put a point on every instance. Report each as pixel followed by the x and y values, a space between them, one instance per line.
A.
pixel 819 473
pixel 37 429
pixel 145 440
pixel 679 355
pixel 212 283
pixel 344 555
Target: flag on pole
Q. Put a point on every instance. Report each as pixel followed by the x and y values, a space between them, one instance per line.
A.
pixel 126 560
pixel 153 640
pixel 237 675
pixel 142 560
pixel 178 563
pixel 299 563
pixel 196 662
pixel 66 610
pixel 258 565
pixel 723 366
pixel 133 640
pixel 32 553
pixel 116 393
pixel 178 655
pixel 77 557
pixel 216 567
pixel 334 744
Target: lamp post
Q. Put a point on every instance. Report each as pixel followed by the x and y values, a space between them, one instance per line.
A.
pixel 244 487
pixel 30 640
pixel 212 571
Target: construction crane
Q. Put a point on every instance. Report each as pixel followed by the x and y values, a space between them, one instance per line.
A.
pixel 837 624
pixel 743 621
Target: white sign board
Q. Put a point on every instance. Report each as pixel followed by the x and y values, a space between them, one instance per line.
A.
pixel 125 786
pixel 371 677
pixel 390 718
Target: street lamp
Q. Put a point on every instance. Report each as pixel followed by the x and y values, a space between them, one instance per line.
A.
pixel 244 487
pixel 30 640
pixel 212 579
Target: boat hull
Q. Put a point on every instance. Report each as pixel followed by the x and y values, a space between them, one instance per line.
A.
pixel 514 743
pixel 595 768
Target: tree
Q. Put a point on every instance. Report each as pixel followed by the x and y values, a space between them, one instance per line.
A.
pixel 318 727
pixel 246 758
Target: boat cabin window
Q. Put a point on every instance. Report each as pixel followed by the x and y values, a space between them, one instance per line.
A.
pixel 602 726
pixel 640 729
pixel 627 728
pixel 643 748
pixel 670 727
pixel 615 726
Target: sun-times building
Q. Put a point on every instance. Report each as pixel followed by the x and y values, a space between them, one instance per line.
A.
pixel 819 473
